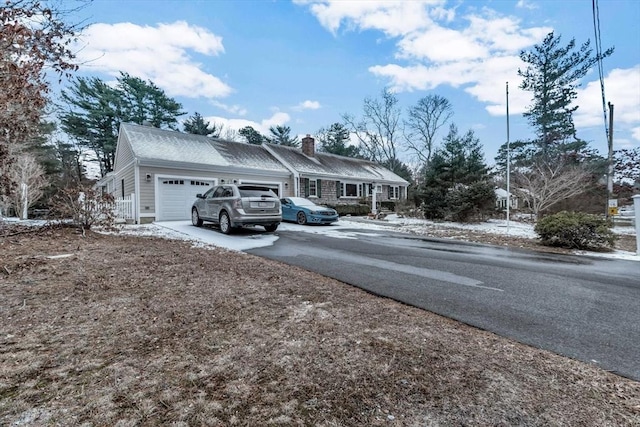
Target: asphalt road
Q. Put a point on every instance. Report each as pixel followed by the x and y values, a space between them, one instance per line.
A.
pixel 584 308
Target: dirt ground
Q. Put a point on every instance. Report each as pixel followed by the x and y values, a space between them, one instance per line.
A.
pixel 100 330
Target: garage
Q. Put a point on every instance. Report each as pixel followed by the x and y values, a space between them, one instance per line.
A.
pixel 176 195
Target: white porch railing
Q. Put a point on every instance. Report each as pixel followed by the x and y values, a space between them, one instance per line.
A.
pixel 124 207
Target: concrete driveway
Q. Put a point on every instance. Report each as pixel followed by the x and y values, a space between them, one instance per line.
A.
pixel 256 237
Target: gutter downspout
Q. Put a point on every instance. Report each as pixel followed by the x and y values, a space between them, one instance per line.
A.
pixel 136 191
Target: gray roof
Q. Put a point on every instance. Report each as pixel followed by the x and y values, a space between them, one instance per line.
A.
pixel 338 167
pixel 153 144
pixel 170 147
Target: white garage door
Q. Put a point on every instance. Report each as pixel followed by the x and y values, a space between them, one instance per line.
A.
pixel 177 196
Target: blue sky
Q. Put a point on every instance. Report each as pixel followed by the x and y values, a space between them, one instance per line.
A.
pixel 304 63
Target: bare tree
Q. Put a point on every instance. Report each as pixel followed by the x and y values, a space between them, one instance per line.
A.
pixel 229 134
pixel 34 40
pixel 425 119
pixel 379 129
pixel 29 178
pixel 545 183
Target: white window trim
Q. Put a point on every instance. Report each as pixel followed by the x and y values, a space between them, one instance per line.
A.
pixel 394 192
pixel 315 189
pixel 359 190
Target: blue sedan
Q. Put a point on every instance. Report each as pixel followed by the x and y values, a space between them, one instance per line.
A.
pixel 304 211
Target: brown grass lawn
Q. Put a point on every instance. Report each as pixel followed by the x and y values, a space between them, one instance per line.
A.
pixel 122 331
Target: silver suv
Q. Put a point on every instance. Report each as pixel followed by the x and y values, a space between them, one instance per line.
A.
pixel 233 206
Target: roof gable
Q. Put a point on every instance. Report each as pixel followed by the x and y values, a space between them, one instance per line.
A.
pixel 149 143
pixel 167 146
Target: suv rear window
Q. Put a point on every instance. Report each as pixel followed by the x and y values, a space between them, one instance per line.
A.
pixel 253 191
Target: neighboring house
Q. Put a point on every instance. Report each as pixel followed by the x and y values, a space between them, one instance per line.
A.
pixel 161 171
pixel 501 199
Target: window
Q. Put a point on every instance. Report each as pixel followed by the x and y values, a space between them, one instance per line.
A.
pixel 218 192
pixel 173 181
pixel 394 192
pixel 313 188
pixel 205 184
pixel 351 190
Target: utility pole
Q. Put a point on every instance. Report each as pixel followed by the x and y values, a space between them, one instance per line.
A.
pixel 610 201
pixel 508 163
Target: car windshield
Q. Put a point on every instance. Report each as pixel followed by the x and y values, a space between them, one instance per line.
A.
pixel 300 201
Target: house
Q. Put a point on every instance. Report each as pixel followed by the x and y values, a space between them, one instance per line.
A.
pixel 161 171
pixel 501 199
pixel 332 179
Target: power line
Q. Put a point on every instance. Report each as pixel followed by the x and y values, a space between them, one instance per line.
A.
pixel 596 28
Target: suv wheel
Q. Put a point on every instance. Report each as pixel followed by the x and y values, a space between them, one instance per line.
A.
pixel 195 218
pixel 271 228
pixel 225 223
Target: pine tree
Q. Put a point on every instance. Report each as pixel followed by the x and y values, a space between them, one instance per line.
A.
pixel 553 74
pixel 93 111
pixel 252 136
pixel 281 135
pixel 457 172
pixel 335 140
pixel 198 126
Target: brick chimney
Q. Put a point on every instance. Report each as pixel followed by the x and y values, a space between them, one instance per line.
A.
pixel 308 146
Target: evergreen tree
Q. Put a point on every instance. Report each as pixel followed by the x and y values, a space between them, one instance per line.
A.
pixel 281 135
pixel 92 118
pixel 198 126
pixel 92 112
pixel 553 73
pixel 457 172
pixel 335 140
pixel 627 164
pixel 252 136
pixel 520 154
pixel 144 102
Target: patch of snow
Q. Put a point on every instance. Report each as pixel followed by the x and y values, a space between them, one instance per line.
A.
pixel 627 231
pixel 345 228
pixel 493 226
pixel 184 230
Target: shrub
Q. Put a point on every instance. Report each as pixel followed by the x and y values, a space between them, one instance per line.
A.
pixel 575 230
pixel 85 206
pixel 473 202
pixel 357 210
pixel 389 205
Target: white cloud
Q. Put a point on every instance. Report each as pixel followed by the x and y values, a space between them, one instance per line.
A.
pixel 478 51
pixel 622 89
pixel 307 105
pixel 439 44
pixel 161 54
pixel 233 109
pixel 392 17
pixel 526 4
pixel 278 118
